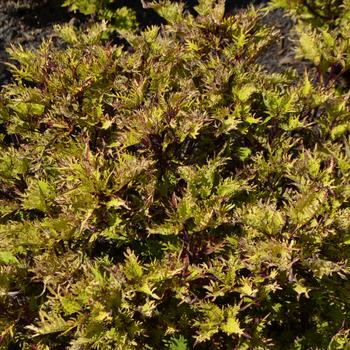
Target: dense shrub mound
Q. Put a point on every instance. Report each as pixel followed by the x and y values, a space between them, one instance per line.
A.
pixel 172 195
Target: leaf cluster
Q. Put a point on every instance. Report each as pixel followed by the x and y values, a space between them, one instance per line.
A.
pixel 120 17
pixel 172 195
pixel 323 30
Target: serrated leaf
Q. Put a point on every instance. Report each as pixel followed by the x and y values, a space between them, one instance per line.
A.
pixel 145 288
pixel 228 187
pixel 70 306
pixel 38 196
pixel 307 88
pixel 301 289
pixel 339 130
pixel 27 108
pixel 8 258
pixel 244 153
pixel 177 343
pixel 309 49
pixel 232 326
pixel 244 92
pixel 172 12
pixel 117 203
pixel 132 268
pixel 252 120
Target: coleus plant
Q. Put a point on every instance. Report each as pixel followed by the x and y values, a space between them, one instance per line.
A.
pixel 172 194
pixel 320 13
pixel 122 17
pixel 323 29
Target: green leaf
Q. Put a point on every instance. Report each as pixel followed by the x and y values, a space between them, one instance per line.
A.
pixel 39 196
pixel 70 306
pixel 172 12
pixel 8 258
pixel 132 268
pixel 213 8
pixel 339 130
pixel 307 88
pixel 232 326
pixel 244 153
pixel 177 343
pixel 27 108
pixel 309 48
pixel 229 187
pixel 244 92
pixel 301 289
pixel 117 203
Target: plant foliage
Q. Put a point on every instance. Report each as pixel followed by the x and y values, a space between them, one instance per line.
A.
pixel 323 28
pixel 120 18
pixel 173 195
